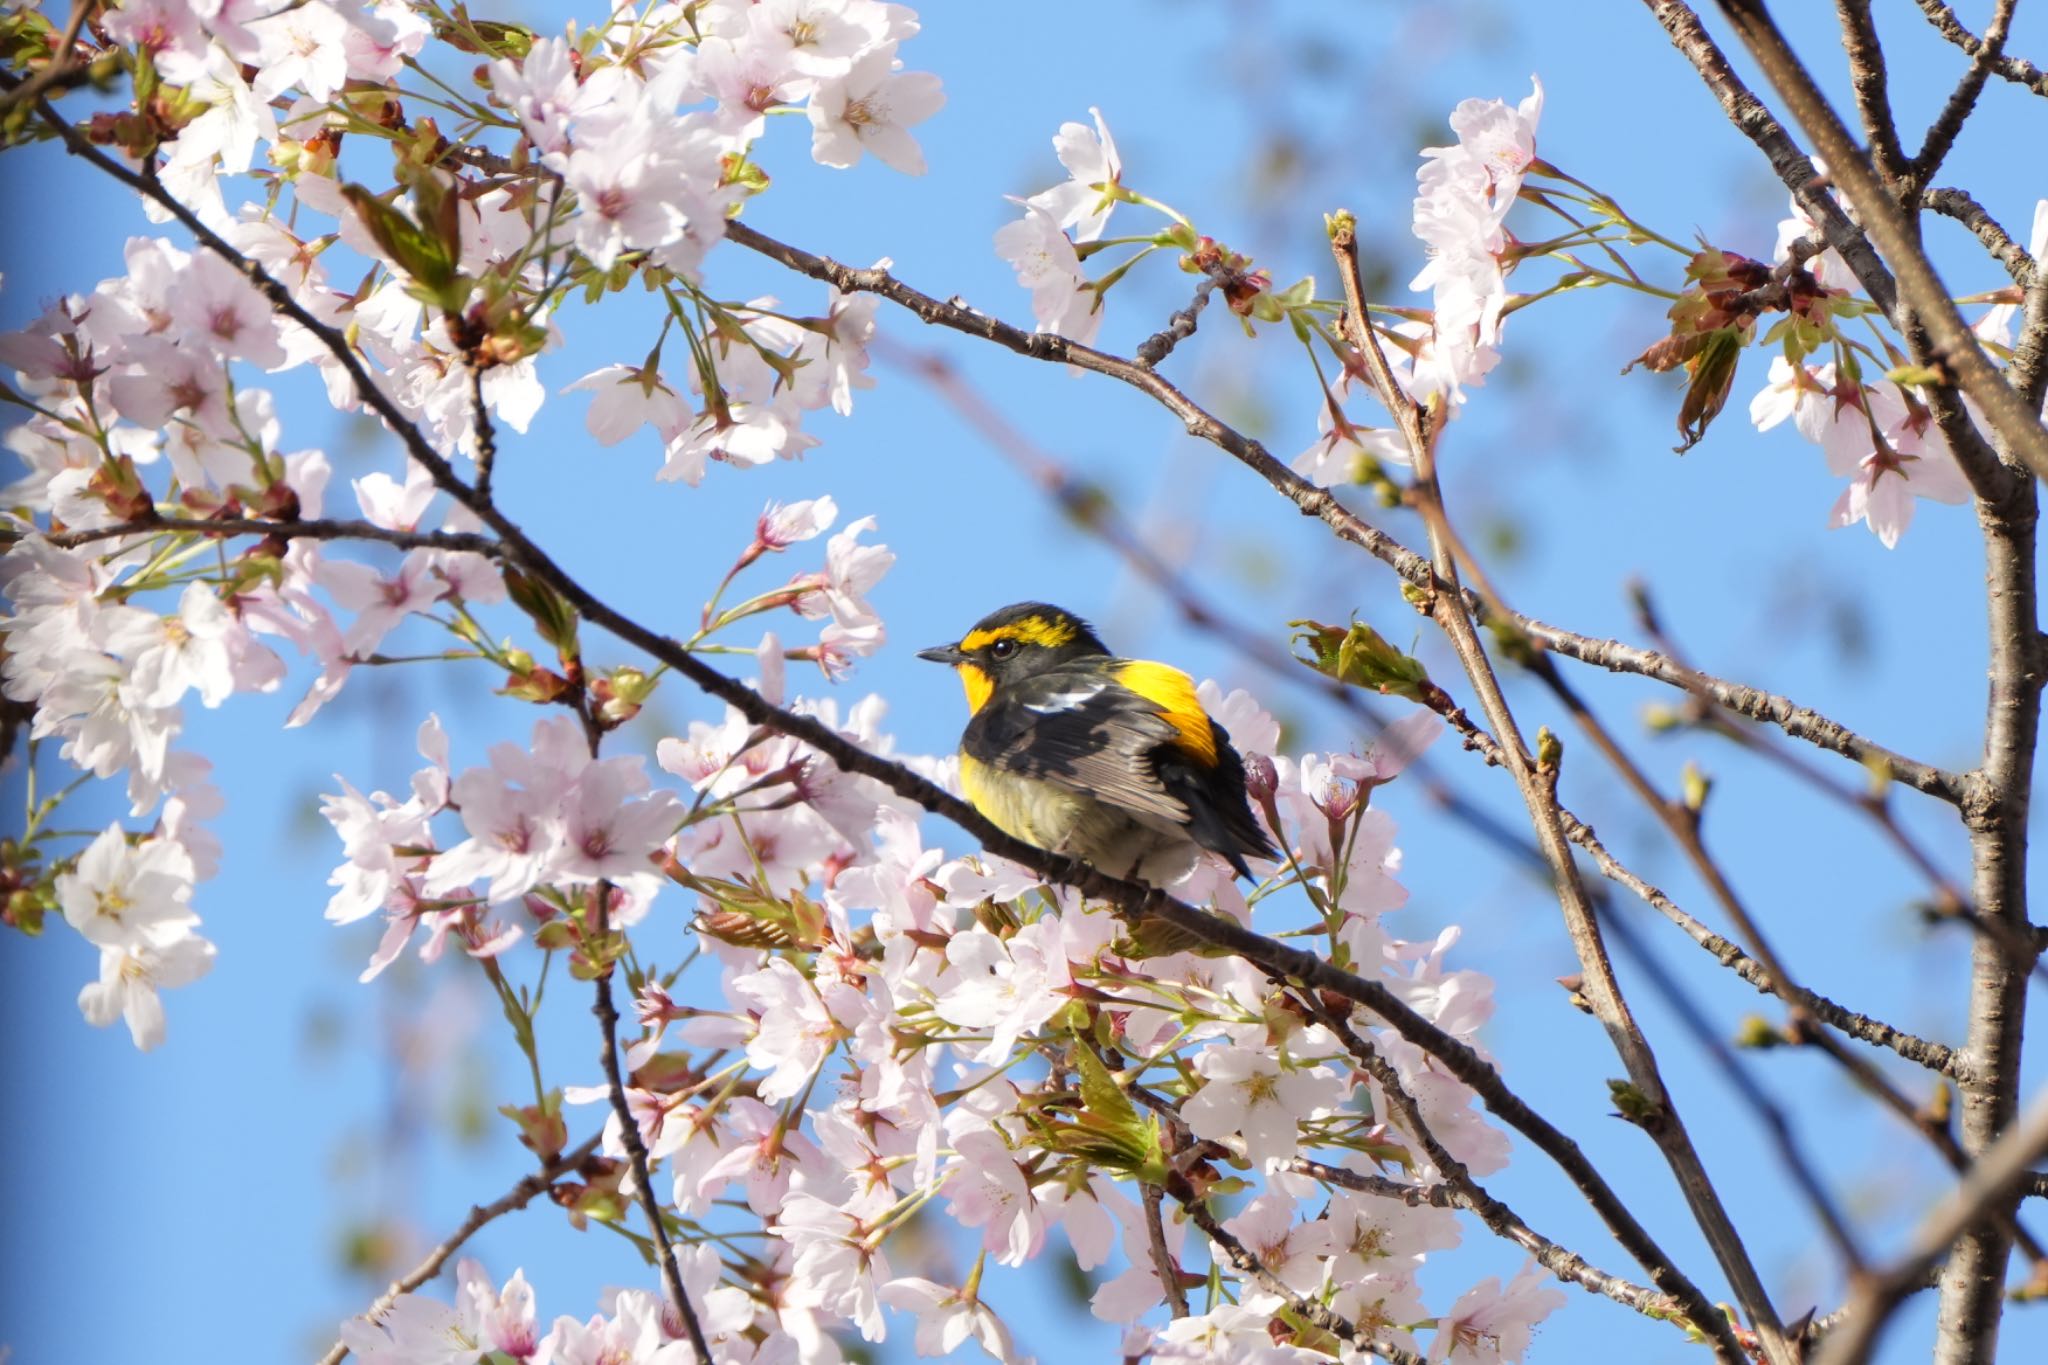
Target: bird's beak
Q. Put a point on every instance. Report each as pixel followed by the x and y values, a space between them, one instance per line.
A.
pixel 943 654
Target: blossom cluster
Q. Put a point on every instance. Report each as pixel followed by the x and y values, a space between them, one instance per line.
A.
pixel 1879 435
pixel 1464 193
pixel 143 406
pixel 876 1027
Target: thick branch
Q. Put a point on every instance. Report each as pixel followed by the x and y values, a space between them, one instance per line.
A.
pixel 1868 78
pixel 1950 342
pixel 1992 1181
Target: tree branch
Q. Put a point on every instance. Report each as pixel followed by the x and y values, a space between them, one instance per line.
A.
pixel 2010 68
pixel 1162 1259
pixel 1309 1310
pixel 1797 721
pixel 1451 611
pixel 1954 203
pixel 1993 1179
pixel 1941 135
pixel 1868 78
pixel 1987 477
pixel 518 1197
pixel 1466 1192
pixel 1756 123
pixel 221 527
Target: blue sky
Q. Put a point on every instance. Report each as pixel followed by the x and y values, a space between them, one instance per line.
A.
pixel 192 1203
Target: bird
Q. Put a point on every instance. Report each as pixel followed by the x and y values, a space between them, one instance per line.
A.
pixel 1089 756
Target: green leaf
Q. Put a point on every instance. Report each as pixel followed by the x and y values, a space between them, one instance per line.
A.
pixel 422 254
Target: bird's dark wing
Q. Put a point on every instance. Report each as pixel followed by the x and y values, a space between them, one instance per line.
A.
pixel 1081 731
pixel 1220 819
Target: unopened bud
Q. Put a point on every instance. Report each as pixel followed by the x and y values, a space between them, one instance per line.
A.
pixel 1658 719
pixel 1260 779
pixel 1693 787
pixel 1756 1033
pixel 1361 656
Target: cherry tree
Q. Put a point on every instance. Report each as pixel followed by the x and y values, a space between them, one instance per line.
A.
pixel 835 1007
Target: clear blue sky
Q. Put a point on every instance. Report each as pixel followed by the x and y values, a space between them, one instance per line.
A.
pixel 191 1204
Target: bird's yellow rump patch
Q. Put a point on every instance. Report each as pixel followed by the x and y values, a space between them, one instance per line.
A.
pixel 1173 692
pixel 1031 630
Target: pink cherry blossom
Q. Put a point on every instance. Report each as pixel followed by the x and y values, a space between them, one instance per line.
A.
pixel 123 895
pixel 130 978
pixel 1095 172
pixel 1491 1324
pixel 870 109
pixel 628 398
pixel 1252 1095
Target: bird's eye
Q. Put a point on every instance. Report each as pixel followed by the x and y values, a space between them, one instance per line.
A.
pixel 1002 649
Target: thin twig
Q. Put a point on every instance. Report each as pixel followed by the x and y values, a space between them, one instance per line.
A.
pixel 63 69
pixel 1954 203
pixel 1309 1310
pixel 1962 101
pixel 518 1197
pixel 2013 69
pixel 217 527
pixel 1468 1193
pixel 1451 611
pixel 1759 1101
pixel 1923 1121
pixel 1798 721
pixel 1162 1259
pixel 486 436
pixel 1179 327
pixel 1934 1056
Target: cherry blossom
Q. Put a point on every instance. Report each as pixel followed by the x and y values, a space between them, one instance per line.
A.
pixel 947 1317
pixel 869 109
pixel 122 896
pixel 1084 201
pixel 1047 265
pixel 628 398
pixel 130 978
pixel 1491 1323
pixel 1251 1095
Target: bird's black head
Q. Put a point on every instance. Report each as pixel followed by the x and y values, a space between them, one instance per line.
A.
pixel 1013 643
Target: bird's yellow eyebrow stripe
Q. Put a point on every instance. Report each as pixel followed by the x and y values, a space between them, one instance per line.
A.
pixel 1173 692
pixel 1032 630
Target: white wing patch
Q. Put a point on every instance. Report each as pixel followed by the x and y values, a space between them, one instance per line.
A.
pixel 1065 701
